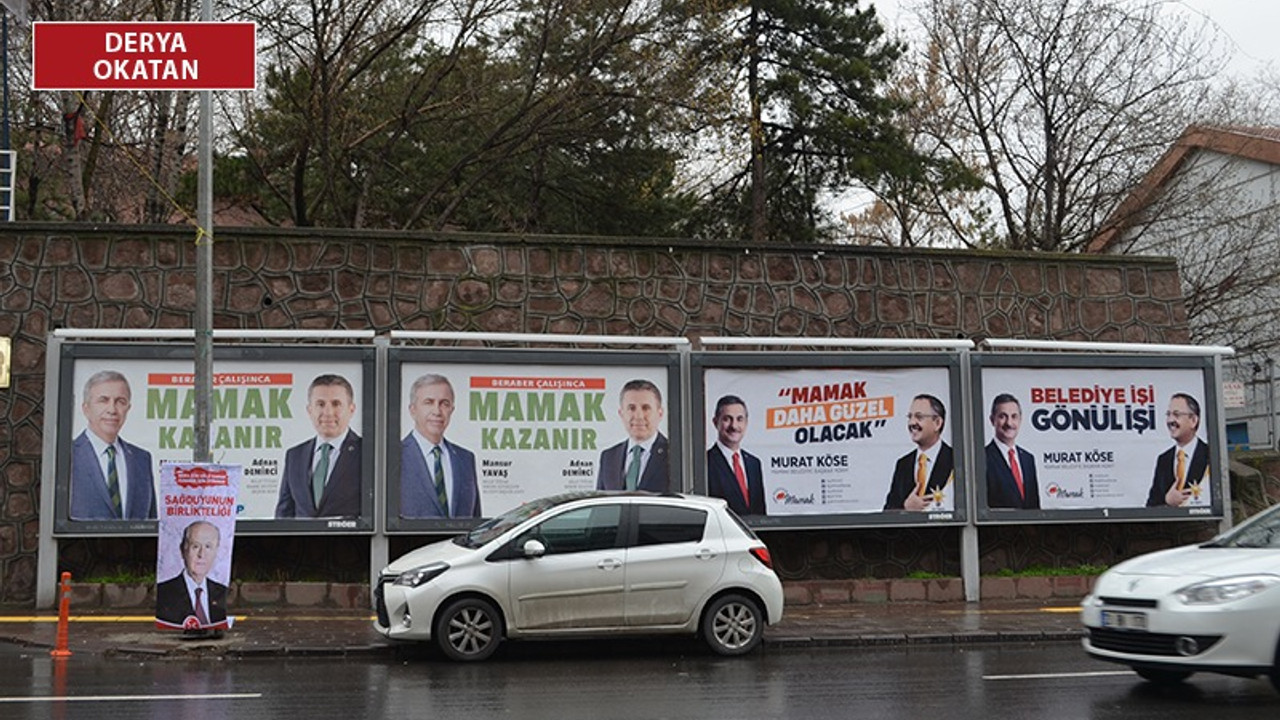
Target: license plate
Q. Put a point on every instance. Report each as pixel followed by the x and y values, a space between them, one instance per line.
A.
pixel 1124 620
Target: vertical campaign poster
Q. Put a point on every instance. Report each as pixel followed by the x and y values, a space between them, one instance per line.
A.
pixel 833 441
pixel 193 553
pixel 1095 438
pixel 473 440
pixel 127 412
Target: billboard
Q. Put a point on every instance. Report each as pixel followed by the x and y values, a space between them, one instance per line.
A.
pixel 472 434
pixel 797 440
pixel 194 546
pixel 1073 438
pixel 293 418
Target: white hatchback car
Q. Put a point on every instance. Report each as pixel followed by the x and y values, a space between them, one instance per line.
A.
pixel 582 565
pixel 1213 607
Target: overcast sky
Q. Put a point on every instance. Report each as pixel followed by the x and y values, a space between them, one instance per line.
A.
pixel 1250 24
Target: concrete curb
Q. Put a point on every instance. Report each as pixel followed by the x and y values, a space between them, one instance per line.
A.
pixel 798 593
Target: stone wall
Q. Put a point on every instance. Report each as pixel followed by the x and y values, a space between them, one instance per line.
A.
pixel 68 276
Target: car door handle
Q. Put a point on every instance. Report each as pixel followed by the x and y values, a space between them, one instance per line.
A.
pixel 705 554
pixel 609 564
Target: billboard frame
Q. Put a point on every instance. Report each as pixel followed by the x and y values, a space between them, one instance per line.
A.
pixel 65 393
pixel 1205 363
pixel 398 355
pixel 945 357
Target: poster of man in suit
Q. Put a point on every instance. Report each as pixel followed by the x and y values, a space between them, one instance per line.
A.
pixel 1096 439
pixel 323 474
pixel 828 440
pixel 1181 471
pixel 1011 468
pixel 510 433
pixel 196 537
pixel 733 473
pixel 437 477
pixel 130 414
pixel 640 462
pixel 111 479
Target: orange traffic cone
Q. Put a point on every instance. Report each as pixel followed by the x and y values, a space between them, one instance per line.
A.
pixel 64 610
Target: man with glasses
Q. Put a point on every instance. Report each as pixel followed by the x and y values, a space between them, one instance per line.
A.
pixel 1181 469
pixel 922 477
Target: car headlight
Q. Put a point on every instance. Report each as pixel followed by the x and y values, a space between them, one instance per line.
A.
pixel 420 575
pixel 1225 590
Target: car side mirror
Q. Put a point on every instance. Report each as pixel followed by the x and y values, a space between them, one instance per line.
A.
pixel 534 549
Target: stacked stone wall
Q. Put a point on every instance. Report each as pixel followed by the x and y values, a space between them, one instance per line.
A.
pixel 68 276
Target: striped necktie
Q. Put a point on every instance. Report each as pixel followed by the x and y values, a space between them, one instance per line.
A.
pixel 113 481
pixel 437 475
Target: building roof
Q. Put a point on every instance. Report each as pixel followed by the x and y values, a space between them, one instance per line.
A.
pixel 1261 144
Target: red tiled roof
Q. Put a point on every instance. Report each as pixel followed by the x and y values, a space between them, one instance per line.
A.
pixel 1252 143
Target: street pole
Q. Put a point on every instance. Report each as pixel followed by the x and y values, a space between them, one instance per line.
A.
pixel 203 320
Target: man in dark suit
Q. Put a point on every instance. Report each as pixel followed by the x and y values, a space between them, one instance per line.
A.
pixel 437 477
pixel 191 599
pixel 1011 470
pixel 322 475
pixel 110 478
pixel 640 461
pixel 921 478
pixel 733 473
pixel 1181 469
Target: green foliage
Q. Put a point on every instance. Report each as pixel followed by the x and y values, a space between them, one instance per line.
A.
pixel 924 575
pixel 821 118
pixel 1046 571
pixel 123 576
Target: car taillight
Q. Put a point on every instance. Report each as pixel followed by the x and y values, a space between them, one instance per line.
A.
pixel 761 553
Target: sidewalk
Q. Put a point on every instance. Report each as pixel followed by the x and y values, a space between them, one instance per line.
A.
pixel 345 633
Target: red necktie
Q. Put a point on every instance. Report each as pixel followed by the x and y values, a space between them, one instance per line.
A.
pixel 200 615
pixel 1017 472
pixel 742 478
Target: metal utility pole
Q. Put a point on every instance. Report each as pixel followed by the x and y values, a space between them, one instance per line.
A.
pixel 203 320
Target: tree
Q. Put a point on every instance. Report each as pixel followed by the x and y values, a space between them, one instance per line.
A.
pixel 818 116
pixel 1062 104
pixel 106 156
pixel 500 115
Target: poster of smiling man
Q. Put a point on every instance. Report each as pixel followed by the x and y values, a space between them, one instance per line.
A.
pixel 472 440
pixel 1071 438
pixel 293 418
pixel 833 441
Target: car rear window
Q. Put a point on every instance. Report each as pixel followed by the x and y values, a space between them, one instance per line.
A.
pixel 664 524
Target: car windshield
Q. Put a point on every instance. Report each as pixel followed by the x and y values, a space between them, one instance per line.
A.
pixel 495 526
pixel 1262 531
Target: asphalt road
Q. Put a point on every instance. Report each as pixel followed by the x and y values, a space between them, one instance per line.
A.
pixel 605 681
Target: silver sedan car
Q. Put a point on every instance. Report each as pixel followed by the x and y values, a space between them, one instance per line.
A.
pixel 587 564
pixel 1213 607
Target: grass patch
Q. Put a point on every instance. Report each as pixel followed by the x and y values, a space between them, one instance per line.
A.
pixel 123 576
pixel 1046 571
pixel 925 575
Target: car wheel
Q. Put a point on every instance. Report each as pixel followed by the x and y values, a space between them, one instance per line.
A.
pixel 733 625
pixel 1162 677
pixel 1274 675
pixel 469 629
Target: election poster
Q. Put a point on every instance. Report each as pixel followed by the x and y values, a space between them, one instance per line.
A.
pixel 1079 438
pixel 293 419
pixel 193 553
pixel 473 440
pixel 823 441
